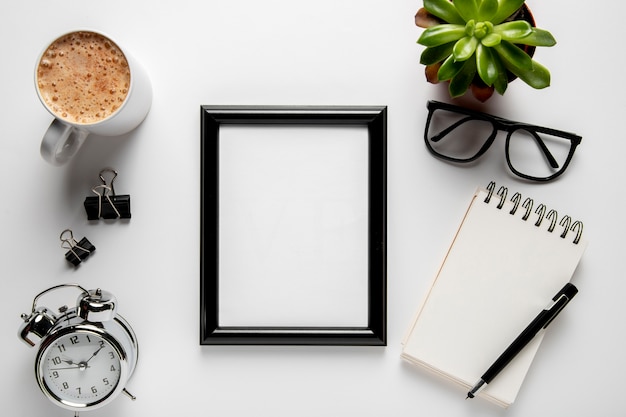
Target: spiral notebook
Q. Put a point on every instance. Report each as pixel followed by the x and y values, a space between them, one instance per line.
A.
pixel 507 260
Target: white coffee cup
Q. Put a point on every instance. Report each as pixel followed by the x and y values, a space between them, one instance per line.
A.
pixel 90 85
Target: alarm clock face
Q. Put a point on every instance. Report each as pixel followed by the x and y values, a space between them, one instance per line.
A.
pixel 79 369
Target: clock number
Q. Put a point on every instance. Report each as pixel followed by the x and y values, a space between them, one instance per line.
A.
pixel 66 385
pixel 106 381
pixel 61 348
pixel 56 360
pixel 112 368
pixel 102 344
pixel 88 339
pixel 74 339
pixel 112 355
pixel 79 391
pixel 94 390
pixel 55 374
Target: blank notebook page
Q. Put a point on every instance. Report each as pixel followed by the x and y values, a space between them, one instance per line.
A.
pixel 497 275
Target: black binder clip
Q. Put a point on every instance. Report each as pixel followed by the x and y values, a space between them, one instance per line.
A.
pixel 107 205
pixel 77 251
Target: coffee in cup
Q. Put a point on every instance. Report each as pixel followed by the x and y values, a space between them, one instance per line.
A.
pixel 90 85
pixel 83 77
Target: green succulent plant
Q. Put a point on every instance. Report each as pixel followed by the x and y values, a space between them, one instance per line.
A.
pixel 478 38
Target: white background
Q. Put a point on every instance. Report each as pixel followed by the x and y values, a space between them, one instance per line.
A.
pixel 287 52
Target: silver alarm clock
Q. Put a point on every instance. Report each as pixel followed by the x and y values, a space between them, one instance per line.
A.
pixel 86 354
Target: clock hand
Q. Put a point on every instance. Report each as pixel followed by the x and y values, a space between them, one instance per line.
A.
pixel 94 354
pixel 69 367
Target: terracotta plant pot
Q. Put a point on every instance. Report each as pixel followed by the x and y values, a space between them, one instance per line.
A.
pixel 479 89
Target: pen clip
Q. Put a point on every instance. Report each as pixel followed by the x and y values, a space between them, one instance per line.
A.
pixel 560 301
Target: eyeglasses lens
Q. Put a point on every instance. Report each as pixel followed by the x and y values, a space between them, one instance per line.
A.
pixel 457 136
pixel 537 154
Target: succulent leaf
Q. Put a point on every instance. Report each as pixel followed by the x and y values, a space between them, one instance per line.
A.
pixel 491 40
pixel 505 9
pixel 465 48
pixel 462 80
pixel 538 37
pixel 482 29
pixel 468 9
pixel 439 35
pixel 424 19
pixel 513 31
pixel 485 64
pixel 449 69
pixel 470 27
pixel 487 9
pixel 502 82
pixel 445 10
pixel 436 53
pixel 537 77
pixel 512 56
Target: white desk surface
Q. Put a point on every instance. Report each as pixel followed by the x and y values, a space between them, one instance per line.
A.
pixel 300 53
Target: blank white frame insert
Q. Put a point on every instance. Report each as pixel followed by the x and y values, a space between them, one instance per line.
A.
pixel 293 225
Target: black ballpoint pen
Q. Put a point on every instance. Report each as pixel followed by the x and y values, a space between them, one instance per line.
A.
pixel 540 322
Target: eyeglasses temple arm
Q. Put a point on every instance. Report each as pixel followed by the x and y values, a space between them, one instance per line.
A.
pixel 553 163
pixel 449 129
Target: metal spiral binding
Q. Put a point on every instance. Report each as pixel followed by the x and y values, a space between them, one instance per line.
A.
pixel 502 193
pixel 490 188
pixel 565 222
pixel 578 227
pixel 540 211
pixel 528 205
pixel 517 197
pixel 552 215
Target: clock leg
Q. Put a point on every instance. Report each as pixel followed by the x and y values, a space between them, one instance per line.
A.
pixel 131 396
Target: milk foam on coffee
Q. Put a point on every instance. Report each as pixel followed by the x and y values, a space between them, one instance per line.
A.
pixel 83 77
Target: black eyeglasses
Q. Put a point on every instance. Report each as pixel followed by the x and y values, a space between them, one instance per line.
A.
pixel 532 152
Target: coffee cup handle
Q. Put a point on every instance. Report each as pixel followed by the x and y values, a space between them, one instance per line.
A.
pixel 61 142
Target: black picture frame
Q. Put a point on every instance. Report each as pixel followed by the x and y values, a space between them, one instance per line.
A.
pixel 374 118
